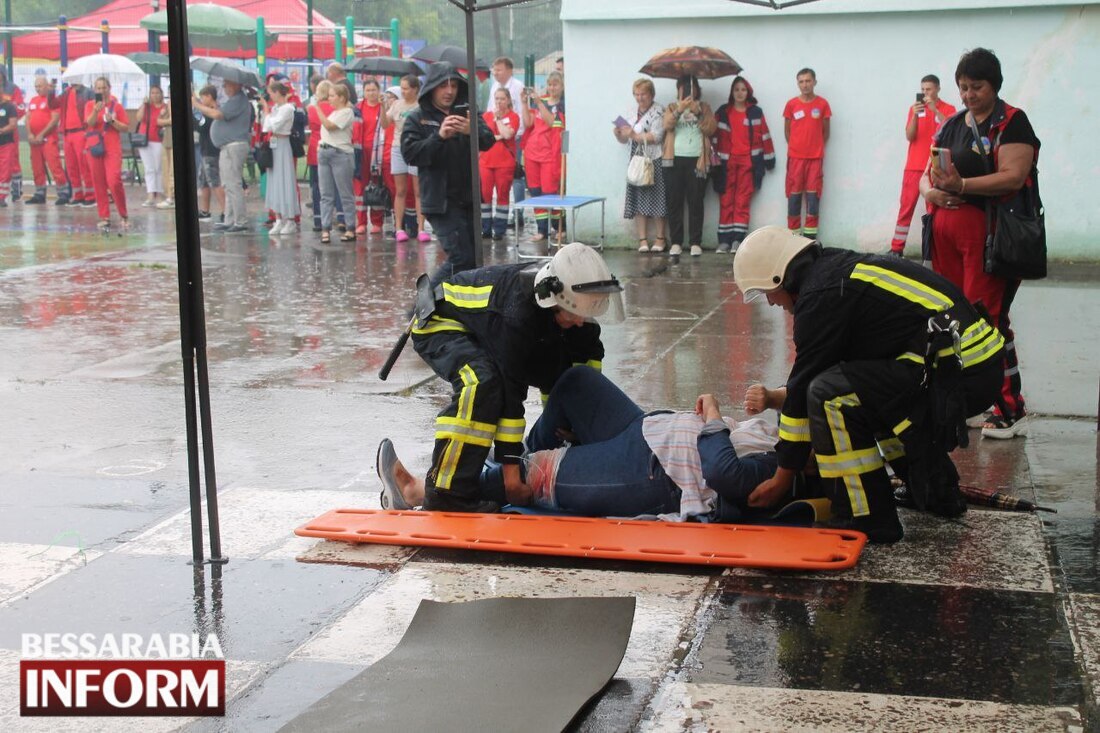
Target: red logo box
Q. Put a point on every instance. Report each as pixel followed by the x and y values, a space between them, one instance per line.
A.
pixel 122 687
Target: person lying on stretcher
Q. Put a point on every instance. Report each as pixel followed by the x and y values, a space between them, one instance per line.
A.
pixel 594 452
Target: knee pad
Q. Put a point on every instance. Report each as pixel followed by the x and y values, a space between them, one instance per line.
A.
pixel 813 203
pixel 794 204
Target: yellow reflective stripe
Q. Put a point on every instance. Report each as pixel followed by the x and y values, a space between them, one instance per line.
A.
pixel 436 324
pixel 594 363
pixel 902 426
pixel 910 356
pixel 468 393
pixel 465 435
pixel 510 430
pixel 891 449
pixel 472 426
pixel 448 464
pixel 467 296
pixel 794 429
pixel 543 397
pixel 982 351
pixel 857 497
pixel 848 463
pixel 903 287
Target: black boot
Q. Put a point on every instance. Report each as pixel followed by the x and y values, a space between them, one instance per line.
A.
pixel 881 525
pixel 38 198
pixel 447 501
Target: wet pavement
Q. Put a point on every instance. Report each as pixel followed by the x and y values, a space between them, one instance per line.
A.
pixel 988 622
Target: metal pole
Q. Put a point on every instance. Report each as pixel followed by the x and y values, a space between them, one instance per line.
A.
pixel 63 41
pixel 261 47
pixel 309 36
pixel 154 45
pixel 349 33
pixel 9 42
pixel 338 45
pixel 395 42
pixel 475 175
pixel 105 29
pixel 192 307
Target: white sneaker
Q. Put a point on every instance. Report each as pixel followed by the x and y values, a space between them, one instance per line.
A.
pixel 167 204
pixel 289 227
pixel 276 228
pixel 976 421
pixel 696 250
pixel 675 250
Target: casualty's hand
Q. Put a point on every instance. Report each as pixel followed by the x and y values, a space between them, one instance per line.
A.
pixel 771 491
pixel 515 491
pixel 756 399
pixel 706 406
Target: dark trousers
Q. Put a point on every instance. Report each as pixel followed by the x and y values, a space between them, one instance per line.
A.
pixel 455 229
pixel 464 429
pixel 682 184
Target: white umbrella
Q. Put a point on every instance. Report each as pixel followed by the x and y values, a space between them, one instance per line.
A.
pixel 128 82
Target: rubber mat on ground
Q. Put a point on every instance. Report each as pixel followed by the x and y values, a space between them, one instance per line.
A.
pixel 500 664
pixel 732 545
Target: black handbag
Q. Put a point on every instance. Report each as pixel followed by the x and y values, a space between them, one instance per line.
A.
pixel 1016 235
pixel 376 195
pixel 263 156
pixel 139 140
pixel 93 143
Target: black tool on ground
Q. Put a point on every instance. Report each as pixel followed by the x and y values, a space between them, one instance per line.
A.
pixel 975 495
pixel 422 311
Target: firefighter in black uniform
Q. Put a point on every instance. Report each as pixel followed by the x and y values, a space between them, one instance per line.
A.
pixel 890 359
pixel 493 332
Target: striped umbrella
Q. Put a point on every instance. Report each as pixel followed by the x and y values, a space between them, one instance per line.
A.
pixel 701 62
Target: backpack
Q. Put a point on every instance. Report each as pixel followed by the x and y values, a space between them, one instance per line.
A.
pixel 298 133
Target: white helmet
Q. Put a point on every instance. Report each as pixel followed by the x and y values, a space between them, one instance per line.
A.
pixel 763 257
pixel 578 280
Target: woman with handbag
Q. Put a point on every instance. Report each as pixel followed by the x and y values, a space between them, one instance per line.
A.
pixel 993 152
pixel 645 181
pixel 498 165
pixel 689 124
pixel 282 181
pixel 147 139
pixel 745 150
pixel 335 158
pixel 369 181
pixel 104 120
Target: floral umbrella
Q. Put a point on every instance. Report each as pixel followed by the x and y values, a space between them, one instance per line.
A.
pixel 701 62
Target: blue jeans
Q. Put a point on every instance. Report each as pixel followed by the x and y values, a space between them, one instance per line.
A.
pixel 609 470
pixel 455 230
pixel 315 191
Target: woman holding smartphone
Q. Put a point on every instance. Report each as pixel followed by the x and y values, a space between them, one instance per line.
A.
pixel 544 120
pixel 282 182
pixel 498 165
pixel 104 120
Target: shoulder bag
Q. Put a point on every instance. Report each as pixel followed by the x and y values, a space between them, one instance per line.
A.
pixel 141 139
pixel 1015 230
pixel 640 170
pixel 375 194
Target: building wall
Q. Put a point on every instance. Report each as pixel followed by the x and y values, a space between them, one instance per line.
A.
pixel 869 66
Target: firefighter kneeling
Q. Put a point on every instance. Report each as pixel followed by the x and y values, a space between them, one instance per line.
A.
pixel 890 359
pixel 492 333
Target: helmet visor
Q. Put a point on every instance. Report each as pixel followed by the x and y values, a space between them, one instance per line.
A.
pixel 757 293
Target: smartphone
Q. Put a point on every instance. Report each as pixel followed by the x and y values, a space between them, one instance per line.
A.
pixel 941 159
pixel 99 96
pixel 920 97
pixel 461 109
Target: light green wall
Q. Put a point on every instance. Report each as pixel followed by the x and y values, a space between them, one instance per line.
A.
pixel 869 65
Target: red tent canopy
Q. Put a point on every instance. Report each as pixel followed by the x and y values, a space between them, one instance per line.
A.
pixel 126 36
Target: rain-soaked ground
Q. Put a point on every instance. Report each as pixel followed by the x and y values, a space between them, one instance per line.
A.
pixel 991 622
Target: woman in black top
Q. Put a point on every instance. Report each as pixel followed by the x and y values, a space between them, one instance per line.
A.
pixel 959 191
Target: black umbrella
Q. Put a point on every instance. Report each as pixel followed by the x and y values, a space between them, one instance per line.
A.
pixel 228 71
pixel 384 66
pixel 453 55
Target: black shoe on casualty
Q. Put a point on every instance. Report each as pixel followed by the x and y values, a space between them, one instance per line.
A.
pixel 445 501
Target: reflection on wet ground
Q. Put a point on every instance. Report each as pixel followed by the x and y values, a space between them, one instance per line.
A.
pixel 990 622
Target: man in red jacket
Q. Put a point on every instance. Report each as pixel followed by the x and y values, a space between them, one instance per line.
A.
pixel 925 118
pixel 43 120
pixel 806 127
pixel 77 167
